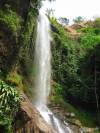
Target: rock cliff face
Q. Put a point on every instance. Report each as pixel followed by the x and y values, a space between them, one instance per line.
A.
pixel 19 6
pixel 29 120
pixel 8 47
pixel 17 25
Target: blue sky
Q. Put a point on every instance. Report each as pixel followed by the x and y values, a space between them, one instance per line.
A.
pixel 73 8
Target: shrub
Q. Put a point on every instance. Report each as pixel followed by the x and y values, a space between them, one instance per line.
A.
pixel 9 104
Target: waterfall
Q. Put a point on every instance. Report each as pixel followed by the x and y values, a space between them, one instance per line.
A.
pixel 42 61
pixel 43 74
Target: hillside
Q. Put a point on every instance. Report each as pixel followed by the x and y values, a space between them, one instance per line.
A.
pixel 75 74
pixel 75 60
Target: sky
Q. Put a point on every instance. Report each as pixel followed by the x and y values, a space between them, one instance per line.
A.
pixel 73 8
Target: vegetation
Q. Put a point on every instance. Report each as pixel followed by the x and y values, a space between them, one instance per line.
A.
pixel 63 21
pixel 11 19
pixel 30 26
pixel 76 65
pixel 78 19
pixel 9 104
pixel 86 118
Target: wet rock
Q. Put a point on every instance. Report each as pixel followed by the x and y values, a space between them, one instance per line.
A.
pixel 77 122
pixel 29 120
pixel 89 130
pixel 72 115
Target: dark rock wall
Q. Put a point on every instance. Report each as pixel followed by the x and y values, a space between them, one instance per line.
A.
pixel 11 43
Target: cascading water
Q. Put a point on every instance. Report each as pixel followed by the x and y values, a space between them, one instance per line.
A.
pixel 42 61
pixel 43 74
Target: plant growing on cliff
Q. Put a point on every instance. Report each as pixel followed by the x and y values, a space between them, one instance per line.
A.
pixel 9 103
pixel 27 34
pixel 11 19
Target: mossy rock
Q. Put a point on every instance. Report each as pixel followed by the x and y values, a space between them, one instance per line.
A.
pixel 14 78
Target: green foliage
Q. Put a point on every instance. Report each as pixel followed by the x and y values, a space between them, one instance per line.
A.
pixel 97 131
pixel 11 19
pixel 88 30
pixel 89 41
pixel 78 19
pixel 9 104
pixel 97 23
pixel 57 89
pixel 73 65
pixel 37 4
pixel 14 78
pixel 90 37
pixel 65 55
pixel 27 34
pixel 87 118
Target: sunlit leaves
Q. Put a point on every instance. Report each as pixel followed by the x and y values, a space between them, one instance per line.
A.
pixel 9 104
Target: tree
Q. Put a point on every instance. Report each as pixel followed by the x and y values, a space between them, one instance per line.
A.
pixel 78 19
pixel 63 21
pixel 50 12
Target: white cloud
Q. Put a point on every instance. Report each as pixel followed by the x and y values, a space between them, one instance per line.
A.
pixel 74 8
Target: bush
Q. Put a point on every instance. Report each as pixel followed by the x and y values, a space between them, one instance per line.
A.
pixel 89 41
pixel 9 104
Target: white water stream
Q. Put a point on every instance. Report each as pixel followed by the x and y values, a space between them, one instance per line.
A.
pixel 43 74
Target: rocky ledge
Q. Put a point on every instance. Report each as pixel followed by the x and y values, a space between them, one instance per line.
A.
pixel 29 120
